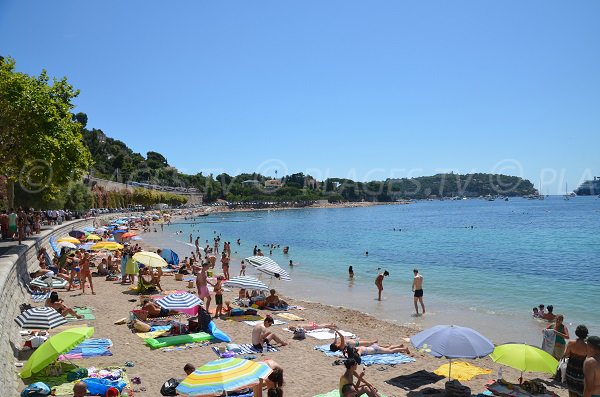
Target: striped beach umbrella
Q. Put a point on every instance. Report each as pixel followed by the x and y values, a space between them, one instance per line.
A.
pixel 179 301
pixel 274 271
pixel 245 282
pixel 222 376
pixel 48 282
pixel 257 261
pixel 40 318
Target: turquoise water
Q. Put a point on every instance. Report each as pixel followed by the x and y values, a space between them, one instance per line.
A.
pixel 518 254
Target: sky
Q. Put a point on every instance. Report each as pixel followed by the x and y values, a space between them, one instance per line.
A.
pixel 355 89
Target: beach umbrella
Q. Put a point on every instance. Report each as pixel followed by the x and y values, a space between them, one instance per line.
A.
pixel 179 301
pixel 78 234
pixel 107 245
pixel 87 246
pixel 93 237
pixel 257 261
pixel 101 230
pixel 40 317
pixel 274 271
pixel 222 376
pixel 151 259
pixel 525 358
pixel 122 227
pixel 170 256
pixel 68 239
pixel 53 245
pixel 65 244
pixel 53 347
pixel 89 229
pixel 136 238
pixel 128 235
pixel 48 282
pixel 245 282
pixel 452 341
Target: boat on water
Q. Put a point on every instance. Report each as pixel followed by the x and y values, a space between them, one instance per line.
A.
pixel 589 188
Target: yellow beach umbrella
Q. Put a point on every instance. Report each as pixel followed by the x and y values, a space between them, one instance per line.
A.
pixel 151 259
pixel 68 239
pixel 106 245
pixel 93 237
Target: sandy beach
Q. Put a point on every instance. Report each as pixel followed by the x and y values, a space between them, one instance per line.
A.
pixel 307 372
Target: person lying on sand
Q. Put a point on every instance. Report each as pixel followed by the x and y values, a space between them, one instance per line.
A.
pixel 342 342
pixel 347 386
pixel 154 310
pixel 260 334
pixel 312 326
pixel 58 305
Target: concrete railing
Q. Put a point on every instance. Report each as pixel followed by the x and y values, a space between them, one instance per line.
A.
pixel 15 266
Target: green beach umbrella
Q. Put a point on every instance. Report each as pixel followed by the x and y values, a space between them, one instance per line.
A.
pixel 525 358
pixel 54 347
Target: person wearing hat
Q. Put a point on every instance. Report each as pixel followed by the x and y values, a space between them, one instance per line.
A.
pixel 591 368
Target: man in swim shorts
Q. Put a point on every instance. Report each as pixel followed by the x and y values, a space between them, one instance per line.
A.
pixel 591 368
pixel 260 334
pixel 417 288
pixel 202 285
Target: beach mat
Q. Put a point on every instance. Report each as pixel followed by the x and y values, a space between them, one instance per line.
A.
pixel 324 333
pixel 461 371
pixel 86 312
pixel 415 380
pixel 512 390
pixel 155 332
pixel 380 359
pixel 246 349
pixel 245 317
pixel 95 347
pixel 290 316
pixel 253 323
pixel 336 393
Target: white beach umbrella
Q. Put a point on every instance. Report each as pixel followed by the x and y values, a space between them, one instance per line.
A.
pixel 274 271
pixel 40 317
pixel 66 244
pixel 48 282
pixel 257 261
pixel 151 259
pixel 245 282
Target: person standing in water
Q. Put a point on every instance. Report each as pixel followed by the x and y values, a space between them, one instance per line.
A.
pixel 350 272
pixel 417 288
pixel 379 282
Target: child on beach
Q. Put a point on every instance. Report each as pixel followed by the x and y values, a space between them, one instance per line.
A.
pixel 243 269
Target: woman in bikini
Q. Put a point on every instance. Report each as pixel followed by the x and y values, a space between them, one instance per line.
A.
pixel 86 274
pixel 342 343
pixel 350 389
pixel 58 305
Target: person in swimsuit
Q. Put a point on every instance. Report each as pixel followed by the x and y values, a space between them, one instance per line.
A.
pixel 591 368
pixel 350 272
pixel 417 288
pixel 342 343
pixel 225 264
pixel 86 274
pixel 562 333
pixel 218 297
pixel 378 349
pixel 154 310
pixel 379 283
pixel 576 352
pixel 75 269
pixel 58 305
pixel 260 334
pixel 202 285
pixel 348 388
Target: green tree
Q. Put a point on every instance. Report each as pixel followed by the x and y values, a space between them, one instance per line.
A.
pixel 42 147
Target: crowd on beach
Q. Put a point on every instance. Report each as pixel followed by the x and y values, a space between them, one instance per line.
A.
pixel 76 268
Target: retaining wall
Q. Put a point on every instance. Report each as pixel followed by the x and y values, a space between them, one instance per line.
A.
pixel 15 266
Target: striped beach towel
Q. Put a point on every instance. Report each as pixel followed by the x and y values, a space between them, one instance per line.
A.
pixel 247 349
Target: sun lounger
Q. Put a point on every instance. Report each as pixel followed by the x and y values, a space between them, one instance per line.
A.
pixel 177 340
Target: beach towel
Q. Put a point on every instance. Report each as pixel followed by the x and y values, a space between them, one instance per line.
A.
pixel 253 323
pixel 155 332
pixel 549 337
pixel 513 390
pixel 336 393
pixel 246 349
pixel 382 359
pixel 415 380
pixel 325 333
pixel 290 316
pixel 94 347
pixel 245 317
pixel 461 371
pixel 40 297
pixel 86 312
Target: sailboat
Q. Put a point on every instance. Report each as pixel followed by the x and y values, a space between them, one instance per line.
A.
pixel 540 195
pixel 567 197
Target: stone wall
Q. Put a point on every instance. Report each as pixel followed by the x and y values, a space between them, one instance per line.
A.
pixel 15 266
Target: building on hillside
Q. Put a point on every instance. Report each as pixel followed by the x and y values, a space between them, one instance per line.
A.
pixel 251 182
pixel 272 184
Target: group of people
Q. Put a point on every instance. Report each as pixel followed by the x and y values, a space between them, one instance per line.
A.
pixel 582 356
pixel 417 287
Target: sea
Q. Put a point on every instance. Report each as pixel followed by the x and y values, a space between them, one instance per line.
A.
pixel 485 264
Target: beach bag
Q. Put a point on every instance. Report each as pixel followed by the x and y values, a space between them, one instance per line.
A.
pixel 204 319
pixel 251 312
pixel 561 370
pixel 299 334
pixel 236 312
pixel 79 373
pixel 169 388
pixel 37 389
pixel 100 387
pixel 141 326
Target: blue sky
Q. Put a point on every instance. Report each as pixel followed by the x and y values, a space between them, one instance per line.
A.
pixel 357 89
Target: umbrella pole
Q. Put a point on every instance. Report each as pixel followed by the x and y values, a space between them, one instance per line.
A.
pixel 450 371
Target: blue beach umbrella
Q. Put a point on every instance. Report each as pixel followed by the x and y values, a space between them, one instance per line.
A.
pixel 89 229
pixel 54 245
pixel 78 234
pixel 170 256
pixel 452 341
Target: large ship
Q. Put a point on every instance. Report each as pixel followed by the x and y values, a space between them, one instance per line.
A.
pixel 589 188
